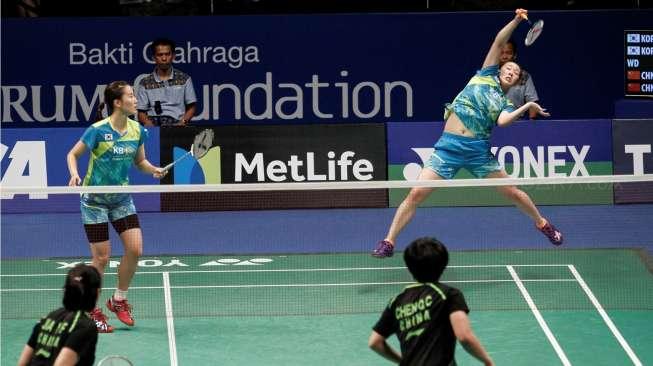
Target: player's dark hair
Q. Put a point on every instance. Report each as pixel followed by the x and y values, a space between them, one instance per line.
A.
pixel 514 48
pixel 81 288
pixel 163 42
pixel 113 91
pixel 426 259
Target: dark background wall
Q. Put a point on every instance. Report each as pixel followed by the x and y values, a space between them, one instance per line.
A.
pixel 215 7
pixel 577 64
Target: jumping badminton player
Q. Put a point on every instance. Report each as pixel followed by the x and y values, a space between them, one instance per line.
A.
pixel 465 142
pixel 67 336
pixel 115 143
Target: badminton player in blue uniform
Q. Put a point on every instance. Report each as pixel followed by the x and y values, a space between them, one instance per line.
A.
pixel 115 143
pixel 465 143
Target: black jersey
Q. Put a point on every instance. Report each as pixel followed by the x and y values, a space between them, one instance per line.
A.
pixel 63 328
pixel 420 318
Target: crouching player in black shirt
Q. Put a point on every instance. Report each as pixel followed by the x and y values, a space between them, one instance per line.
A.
pixel 67 336
pixel 427 316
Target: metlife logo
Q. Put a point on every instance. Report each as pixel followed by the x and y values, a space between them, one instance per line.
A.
pixel 304 168
pixel 324 153
pixel 286 154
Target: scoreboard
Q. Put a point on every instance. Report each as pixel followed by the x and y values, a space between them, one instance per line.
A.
pixel 638 62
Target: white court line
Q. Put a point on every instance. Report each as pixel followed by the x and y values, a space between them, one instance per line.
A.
pixel 172 344
pixel 296 270
pixel 538 316
pixel 295 285
pixel 606 318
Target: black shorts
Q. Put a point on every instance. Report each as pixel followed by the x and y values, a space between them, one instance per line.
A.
pixel 97 233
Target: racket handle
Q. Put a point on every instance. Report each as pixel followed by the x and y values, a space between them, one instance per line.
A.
pixel 169 166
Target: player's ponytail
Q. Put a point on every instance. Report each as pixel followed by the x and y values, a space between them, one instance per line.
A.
pixel 81 288
pixel 112 91
pixel 98 114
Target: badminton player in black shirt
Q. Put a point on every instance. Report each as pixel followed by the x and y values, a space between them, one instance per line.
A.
pixel 428 316
pixel 67 336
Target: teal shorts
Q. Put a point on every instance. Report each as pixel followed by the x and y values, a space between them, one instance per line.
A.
pixel 100 208
pixel 453 152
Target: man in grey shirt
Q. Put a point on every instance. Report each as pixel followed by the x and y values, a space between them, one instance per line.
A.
pixel 524 91
pixel 166 96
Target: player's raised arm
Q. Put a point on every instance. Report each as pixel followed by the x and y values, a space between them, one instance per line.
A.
pixel 502 37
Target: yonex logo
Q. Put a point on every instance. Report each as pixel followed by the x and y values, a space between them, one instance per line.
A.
pixel 545 161
pixel 174 262
pixel 237 262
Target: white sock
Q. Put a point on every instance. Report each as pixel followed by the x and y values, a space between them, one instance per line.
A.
pixel 120 295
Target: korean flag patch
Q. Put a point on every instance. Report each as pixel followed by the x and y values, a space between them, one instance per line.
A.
pixel 108 137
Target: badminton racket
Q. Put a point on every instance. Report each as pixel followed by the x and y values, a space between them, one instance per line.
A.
pixel 114 360
pixel 201 144
pixel 534 32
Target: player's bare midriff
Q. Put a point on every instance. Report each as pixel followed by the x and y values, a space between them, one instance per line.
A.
pixel 455 126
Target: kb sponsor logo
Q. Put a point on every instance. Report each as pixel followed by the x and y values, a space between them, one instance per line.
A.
pixel 123 150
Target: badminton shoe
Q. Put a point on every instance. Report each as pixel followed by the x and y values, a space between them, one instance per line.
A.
pixel 553 234
pixel 100 321
pixel 122 309
pixel 384 249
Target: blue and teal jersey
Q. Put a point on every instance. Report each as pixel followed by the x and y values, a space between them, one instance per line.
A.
pixel 481 102
pixel 112 155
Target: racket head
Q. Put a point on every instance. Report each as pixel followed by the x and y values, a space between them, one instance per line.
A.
pixel 202 143
pixel 534 32
pixel 115 360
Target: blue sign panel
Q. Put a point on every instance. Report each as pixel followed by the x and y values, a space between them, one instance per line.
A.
pixel 546 148
pixel 37 158
pixel 522 135
pixel 309 68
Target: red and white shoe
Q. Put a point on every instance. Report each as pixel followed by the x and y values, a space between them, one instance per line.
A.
pixel 122 309
pixel 100 321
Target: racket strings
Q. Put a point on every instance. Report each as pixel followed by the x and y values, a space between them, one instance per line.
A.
pixel 534 32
